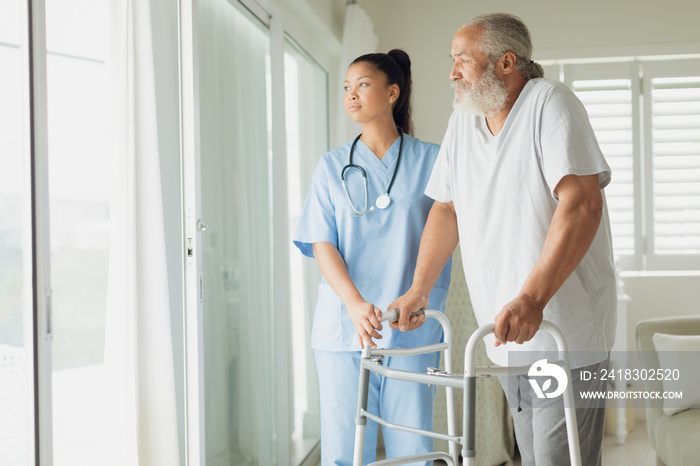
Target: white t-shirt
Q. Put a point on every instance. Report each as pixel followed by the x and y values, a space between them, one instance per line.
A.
pixel 503 191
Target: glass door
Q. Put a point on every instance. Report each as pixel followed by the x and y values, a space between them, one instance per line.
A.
pixel 25 293
pixel 255 121
pixel 16 339
pixel 235 238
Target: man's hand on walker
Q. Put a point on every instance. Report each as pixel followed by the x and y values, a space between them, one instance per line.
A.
pixel 518 321
pixel 409 303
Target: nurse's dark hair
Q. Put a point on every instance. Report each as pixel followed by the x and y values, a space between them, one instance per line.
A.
pixel 396 66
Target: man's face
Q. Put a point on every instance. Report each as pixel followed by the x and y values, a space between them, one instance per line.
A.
pixel 477 88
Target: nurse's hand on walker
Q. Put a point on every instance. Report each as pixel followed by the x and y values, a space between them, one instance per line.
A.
pixel 367 320
pixel 408 304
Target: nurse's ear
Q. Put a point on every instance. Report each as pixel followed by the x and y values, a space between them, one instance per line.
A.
pixel 394 93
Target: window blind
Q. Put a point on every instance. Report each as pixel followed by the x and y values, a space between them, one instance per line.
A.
pixel 675 145
pixel 609 106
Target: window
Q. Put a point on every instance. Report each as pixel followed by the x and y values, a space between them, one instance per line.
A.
pixel 79 197
pixel 646 116
pixel 306 106
pixel 16 378
pixel 71 423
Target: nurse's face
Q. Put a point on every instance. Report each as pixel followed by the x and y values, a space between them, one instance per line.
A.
pixel 367 94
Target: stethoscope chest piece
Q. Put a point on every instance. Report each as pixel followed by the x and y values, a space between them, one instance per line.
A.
pixel 383 201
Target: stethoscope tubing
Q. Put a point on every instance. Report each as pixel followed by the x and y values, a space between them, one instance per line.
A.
pixel 351 165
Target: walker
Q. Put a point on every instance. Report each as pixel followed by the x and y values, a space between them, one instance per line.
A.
pixel 371 361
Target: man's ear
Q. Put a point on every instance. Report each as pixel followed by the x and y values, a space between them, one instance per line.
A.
pixel 508 61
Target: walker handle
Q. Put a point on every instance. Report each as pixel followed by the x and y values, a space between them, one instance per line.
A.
pixel 393 315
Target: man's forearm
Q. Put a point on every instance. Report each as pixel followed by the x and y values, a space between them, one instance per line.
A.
pixel 439 240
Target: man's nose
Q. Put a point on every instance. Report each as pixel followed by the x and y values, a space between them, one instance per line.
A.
pixel 454 72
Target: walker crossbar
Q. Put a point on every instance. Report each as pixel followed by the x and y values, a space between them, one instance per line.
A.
pixel 413 430
pixel 410 351
pixel 436 455
pixel 444 380
pixel 410 376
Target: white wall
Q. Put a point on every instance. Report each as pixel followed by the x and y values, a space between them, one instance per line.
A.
pixel 654 296
pixel 659 296
pixel 560 29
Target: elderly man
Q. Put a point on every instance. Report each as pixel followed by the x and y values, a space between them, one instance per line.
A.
pixel 518 182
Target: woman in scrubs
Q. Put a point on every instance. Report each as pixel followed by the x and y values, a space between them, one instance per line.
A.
pixel 362 221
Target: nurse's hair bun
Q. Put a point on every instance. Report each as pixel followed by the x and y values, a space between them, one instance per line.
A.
pixel 402 59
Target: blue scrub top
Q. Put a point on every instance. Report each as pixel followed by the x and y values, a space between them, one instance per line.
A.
pixel 380 248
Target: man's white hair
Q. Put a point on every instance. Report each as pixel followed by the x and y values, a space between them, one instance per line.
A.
pixel 501 33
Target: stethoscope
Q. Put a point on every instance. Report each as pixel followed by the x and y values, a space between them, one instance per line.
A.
pixel 384 200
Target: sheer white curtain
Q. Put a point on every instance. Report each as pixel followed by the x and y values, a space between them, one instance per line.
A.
pixel 138 347
pixel 359 38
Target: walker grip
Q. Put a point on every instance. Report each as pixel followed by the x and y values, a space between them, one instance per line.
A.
pixel 393 315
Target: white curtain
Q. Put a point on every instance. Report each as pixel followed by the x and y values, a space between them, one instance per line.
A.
pixel 138 346
pixel 359 38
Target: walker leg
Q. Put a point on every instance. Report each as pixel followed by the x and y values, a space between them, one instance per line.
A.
pixel 571 422
pixel 450 394
pixel 451 424
pixel 469 420
pixel 359 443
pixel 361 419
pixel 569 407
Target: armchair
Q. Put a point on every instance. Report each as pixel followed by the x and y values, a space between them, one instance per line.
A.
pixel 675 437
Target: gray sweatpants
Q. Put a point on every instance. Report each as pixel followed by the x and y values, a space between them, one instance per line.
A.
pixel 541 431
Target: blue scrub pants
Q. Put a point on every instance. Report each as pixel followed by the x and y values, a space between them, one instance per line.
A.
pixel 397 401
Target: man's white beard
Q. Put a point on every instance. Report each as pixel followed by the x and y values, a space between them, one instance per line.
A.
pixel 487 96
